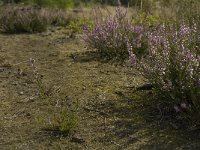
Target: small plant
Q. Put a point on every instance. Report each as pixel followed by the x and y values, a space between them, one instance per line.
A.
pixel 172 63
pixel 38 79
pixel 110 36
pixel 59 118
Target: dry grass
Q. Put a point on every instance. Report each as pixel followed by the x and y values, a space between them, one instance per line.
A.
pixel 111 115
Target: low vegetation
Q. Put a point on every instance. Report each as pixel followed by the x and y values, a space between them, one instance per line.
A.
pixel 110 36
pixel 169 54
pixel 74 91
pixel 17 20
pixel 172 64
pixel 30 19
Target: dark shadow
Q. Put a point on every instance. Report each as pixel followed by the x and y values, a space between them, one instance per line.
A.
pixel 55 133
pixel 143 119
pixel 90 56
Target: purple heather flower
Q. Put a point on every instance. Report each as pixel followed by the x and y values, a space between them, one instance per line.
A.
pixel 184 30
pixel 173 60
pixel 183 105
pixel 85 26
pixel 177 109
pixel 31 60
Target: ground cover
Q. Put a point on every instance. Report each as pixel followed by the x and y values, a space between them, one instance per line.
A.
pixel 112 112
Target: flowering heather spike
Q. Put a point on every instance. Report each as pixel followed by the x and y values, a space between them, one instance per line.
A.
pixel 85 26
pixel 111 35
pixel 31 60
pixel 183 105
pixel 172 63
pixel 176 108
pixel 132 57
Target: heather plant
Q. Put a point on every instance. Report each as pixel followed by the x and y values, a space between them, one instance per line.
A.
pixel 58 17
pixel 110 36
pixel 31 19
pixel 172 63
pixel 27 19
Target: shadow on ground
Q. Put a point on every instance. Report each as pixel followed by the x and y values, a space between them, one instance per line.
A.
pixel 138 121
pixel 90 56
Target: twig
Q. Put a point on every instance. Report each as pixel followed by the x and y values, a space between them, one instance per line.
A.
pixel 158 107
pixel 30 98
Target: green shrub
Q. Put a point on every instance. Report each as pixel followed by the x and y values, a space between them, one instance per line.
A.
pixel 51 3
pixel 55 3
pixel 146 20
pixel 76 26
pixel 59 120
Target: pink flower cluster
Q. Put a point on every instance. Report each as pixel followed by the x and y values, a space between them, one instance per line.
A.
pixel 111 35
pixel 172 63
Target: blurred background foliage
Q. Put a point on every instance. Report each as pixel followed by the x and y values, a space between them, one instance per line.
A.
pixel 171 9
pixel 178 8
pixel 70 3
